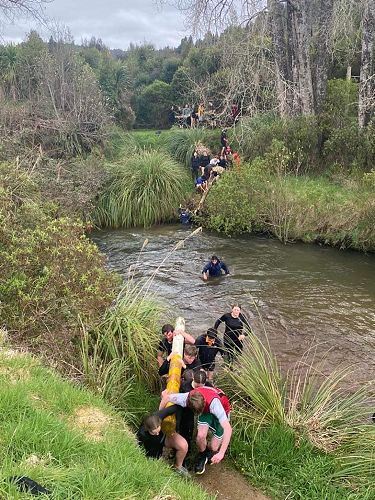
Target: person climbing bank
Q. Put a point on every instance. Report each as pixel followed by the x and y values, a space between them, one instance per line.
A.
pixel 213 408
pixel 151 438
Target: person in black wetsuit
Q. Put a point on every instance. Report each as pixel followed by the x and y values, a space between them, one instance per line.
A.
pixel 209 345
pixel 195 164
pixel 151 438
pixel 214 268
pixel 234 333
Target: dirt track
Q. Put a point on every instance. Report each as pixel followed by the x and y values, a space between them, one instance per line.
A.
pixel 227 484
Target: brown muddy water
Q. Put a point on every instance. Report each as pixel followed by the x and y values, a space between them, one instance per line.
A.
pixel 304 296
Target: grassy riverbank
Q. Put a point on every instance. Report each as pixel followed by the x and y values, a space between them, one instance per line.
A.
pixel 263 196
pixel 56 293
pixel 288 191
pixel 71 442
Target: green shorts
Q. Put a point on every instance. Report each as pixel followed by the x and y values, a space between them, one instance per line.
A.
pixel 213 424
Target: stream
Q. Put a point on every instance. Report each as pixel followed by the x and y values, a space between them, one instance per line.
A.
pixel 303 296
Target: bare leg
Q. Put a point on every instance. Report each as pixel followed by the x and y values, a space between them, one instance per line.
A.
pixel 179 443
pixel 215 444
pixel 202 437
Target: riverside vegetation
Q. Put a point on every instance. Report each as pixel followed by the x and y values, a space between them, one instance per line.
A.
pixel 56 291
pixel 66 164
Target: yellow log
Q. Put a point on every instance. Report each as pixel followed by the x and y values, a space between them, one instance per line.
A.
pixel 173 386
pixel 174 375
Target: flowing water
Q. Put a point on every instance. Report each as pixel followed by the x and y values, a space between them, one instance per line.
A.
pixel 302 295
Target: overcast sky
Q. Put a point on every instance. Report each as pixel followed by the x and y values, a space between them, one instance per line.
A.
pixel 116 22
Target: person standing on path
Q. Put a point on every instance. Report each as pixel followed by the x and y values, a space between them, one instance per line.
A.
pixel 234 333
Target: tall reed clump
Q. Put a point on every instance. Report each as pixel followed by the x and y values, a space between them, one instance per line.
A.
pixel 314 406
pixel 181 143
pixel 122 349
pixel 146 189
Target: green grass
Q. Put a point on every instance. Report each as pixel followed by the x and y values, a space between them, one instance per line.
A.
pixel 180 143
pixel 285 467
pixel 43 438
pixel 147 188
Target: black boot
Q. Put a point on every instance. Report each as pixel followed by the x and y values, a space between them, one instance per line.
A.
pixel 200 466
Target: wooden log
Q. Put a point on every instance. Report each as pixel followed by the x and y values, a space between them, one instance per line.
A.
pixel 174 375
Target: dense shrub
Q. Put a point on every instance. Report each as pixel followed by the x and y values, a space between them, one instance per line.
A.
pixel 147 188
pixel 229 205
pixel 300 136
pixel 290 207
pixel 351 147
pixel 73 185
pixel 152 105
pixel 51 275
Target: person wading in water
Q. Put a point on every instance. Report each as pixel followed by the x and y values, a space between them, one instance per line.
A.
pixel 234 333
pixel 214 268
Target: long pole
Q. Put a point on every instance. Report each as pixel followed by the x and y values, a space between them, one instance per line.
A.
pixel 174 374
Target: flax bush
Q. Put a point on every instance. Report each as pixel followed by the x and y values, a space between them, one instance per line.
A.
pixel 147 188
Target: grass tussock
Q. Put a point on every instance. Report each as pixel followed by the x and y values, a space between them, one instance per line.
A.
pixel 181 143
pixel 304 410
pixel 147 188
pixel 121 351
pixel 51 443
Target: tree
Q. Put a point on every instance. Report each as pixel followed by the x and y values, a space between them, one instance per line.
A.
pixel 8 68
pixel 153 103
pixel 367 77
pixel 12 8
pixel 298 30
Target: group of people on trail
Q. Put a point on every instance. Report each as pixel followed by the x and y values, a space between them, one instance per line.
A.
pixel 192 115
pixel 205 169
pixel 199 115
pixel 198 396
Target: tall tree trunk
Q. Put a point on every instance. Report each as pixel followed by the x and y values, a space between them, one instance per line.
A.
pixel 278 25
pixel 300 45
pixel 322 44
pixel 366 80
pixel 292 62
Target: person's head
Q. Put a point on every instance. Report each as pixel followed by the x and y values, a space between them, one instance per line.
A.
pixel 205 153
pixel 190 353
pixel 187 375
pixel 195 402
pixel 211 336
pixel 214 259
pixel 152 424
pixel 195 154
pixel 167 331
pixel 199 378
pixel 236 310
